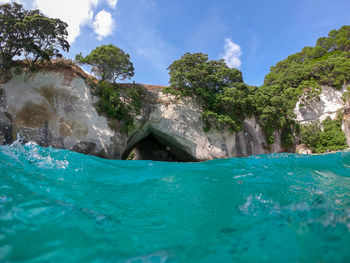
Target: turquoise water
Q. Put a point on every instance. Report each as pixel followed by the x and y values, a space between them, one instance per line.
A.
pixel 60 206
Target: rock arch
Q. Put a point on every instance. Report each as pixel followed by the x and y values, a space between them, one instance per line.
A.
pixel 150 143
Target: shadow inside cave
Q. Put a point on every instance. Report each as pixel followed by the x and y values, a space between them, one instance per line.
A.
pixel 156 148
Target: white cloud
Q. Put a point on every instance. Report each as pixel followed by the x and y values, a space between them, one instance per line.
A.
pixel 75 13
pixel 103 24
pixel 28 4
pixel 112 3
pixel 232 53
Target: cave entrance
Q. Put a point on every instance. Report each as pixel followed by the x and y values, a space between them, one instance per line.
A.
pixel 155 147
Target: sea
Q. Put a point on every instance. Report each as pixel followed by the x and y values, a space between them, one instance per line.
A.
pixel 62 206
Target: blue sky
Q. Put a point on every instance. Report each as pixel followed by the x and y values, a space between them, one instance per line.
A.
pixel 250 35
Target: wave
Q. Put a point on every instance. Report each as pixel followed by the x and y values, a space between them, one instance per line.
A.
pixel 59 206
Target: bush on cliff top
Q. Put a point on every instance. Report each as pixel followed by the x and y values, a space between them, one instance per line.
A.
pixel 109 63
pixel 31 34
pixel 226 100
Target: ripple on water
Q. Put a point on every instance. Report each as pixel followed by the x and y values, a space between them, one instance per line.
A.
pixel 56 204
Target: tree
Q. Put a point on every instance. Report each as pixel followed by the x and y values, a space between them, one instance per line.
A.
pixel 29 33
pixel 10 45
pixel 195 74
pixel 226 100
pixel 46 37
pixel 108 63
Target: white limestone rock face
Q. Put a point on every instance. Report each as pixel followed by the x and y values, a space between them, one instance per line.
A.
pixel 180 123
pixel 329 102
pixel 56 108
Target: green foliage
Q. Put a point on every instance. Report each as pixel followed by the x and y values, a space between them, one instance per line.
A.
pixel 121 103
pixel 328 63
pixel 131 156
pixel 225 98
pixel 310 135
pixel 325 136
pixel 195 74
pixel 29 33
pixel 172 91
pixel 108 63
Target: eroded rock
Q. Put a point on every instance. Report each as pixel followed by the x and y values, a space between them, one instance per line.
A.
pixel 55 108
pixel 327 104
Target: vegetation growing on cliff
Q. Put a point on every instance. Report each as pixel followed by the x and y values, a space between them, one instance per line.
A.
pixel 109 63
pixel 119 102
pixel 226 100
pixel 328 63
pixel 325 136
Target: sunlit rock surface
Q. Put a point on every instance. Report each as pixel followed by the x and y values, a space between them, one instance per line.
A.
pixel 56 108
pixel 328 104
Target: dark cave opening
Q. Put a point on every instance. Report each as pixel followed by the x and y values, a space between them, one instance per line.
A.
pixel 155 148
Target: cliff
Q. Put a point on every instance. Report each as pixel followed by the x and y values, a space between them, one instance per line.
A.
pixel 56 108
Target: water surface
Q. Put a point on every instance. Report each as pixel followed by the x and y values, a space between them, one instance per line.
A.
pixel 60 206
